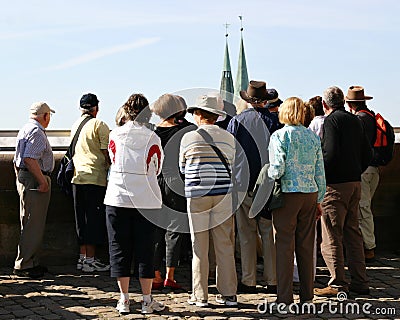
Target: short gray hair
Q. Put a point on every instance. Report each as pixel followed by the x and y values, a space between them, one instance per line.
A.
pixel 333 97
pixel 88 110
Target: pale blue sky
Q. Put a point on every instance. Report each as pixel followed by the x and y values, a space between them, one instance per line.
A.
pixel 55 51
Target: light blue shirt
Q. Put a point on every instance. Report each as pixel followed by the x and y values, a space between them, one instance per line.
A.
pixel 296 157
pixel 32 143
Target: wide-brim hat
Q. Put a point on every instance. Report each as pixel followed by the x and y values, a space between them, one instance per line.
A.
pixel 273 99
pixel 256 92
pixel 167 105
pixel 210 104
pixel 356 93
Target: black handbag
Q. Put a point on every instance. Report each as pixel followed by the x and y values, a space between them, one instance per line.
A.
pixel 275 200
pixel 67 168
pixel 207 138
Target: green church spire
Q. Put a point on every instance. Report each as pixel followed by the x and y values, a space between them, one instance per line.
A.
pixel 226 88
pixel 242 78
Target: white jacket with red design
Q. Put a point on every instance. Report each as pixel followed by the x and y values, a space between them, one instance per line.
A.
pixel 136 160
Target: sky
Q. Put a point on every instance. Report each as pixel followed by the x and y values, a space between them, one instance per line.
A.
pixel 56 51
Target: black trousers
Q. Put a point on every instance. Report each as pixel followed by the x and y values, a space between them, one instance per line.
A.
pixel 167 243
pixel 130 235
pixel 89 213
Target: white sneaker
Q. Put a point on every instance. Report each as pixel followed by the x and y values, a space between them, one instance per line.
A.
pixel 226 300
pixel 152 306
pixel 79 264
pixel 198 303
pixel 96 265
pixel 123 306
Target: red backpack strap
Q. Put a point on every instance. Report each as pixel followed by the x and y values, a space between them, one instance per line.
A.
pixel 381 138
pixel 367 112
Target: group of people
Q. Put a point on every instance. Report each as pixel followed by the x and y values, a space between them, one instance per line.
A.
pixel 145 187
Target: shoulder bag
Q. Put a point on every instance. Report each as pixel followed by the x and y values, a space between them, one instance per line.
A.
pixel 207 138
pixel 67 168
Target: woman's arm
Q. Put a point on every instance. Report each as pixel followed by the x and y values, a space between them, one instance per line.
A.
pixel 277 157
pixel 320 175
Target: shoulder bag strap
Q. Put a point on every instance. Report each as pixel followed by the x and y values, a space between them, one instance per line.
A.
pixel 207 138
pixel 71 149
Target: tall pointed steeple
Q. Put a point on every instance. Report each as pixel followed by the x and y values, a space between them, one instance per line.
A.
pixel 226 88
pixel 242 78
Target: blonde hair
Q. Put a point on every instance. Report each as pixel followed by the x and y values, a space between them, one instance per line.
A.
pixel 291 111
pixel 241 105
pixel 121 117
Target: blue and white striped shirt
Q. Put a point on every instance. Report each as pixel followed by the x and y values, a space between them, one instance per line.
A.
pixel 32 143
pixel 205 174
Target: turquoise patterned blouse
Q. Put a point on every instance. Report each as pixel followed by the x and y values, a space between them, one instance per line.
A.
pixel 296 157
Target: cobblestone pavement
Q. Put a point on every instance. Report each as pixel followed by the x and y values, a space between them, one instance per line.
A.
pixel 65 293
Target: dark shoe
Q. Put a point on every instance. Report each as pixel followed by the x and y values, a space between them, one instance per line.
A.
pixel 270 289
pixel 40 268
pixel 33 273
pixel 242 288
pixel 369 255
pixel 171 284
pixel 157 285
pixel 362 292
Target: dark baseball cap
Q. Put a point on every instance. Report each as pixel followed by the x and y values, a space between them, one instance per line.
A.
pixel 89 100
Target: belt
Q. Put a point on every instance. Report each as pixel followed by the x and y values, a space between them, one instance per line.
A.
pixel 45 173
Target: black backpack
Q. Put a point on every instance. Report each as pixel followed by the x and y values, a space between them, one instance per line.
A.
pixel 384 142
pixel 67 168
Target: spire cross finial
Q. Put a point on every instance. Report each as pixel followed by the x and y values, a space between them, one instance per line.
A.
pixel 226 29
pixel 241 23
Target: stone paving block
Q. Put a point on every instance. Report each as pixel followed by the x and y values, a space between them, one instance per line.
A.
pixel 188 314
pixel 22 313
pixel 4 311
pixel 61 294
pixel 7 316
pixel 13 307
pixel 136 316
pixel 35 317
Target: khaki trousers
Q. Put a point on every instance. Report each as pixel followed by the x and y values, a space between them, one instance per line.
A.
pixel 33 213
pixel 216 212
pixel 247 234
pixel 340 227
pixel 268 249
pixel 369 183
pixel 294 231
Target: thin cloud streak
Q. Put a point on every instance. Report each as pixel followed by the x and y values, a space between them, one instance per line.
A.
pixel 104 53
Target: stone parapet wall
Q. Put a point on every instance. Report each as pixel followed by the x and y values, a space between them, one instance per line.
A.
pixel 60 245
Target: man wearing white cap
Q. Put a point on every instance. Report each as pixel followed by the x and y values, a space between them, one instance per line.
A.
pixel 33 162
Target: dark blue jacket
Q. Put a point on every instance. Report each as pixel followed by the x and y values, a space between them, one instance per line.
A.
pixel 252 130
